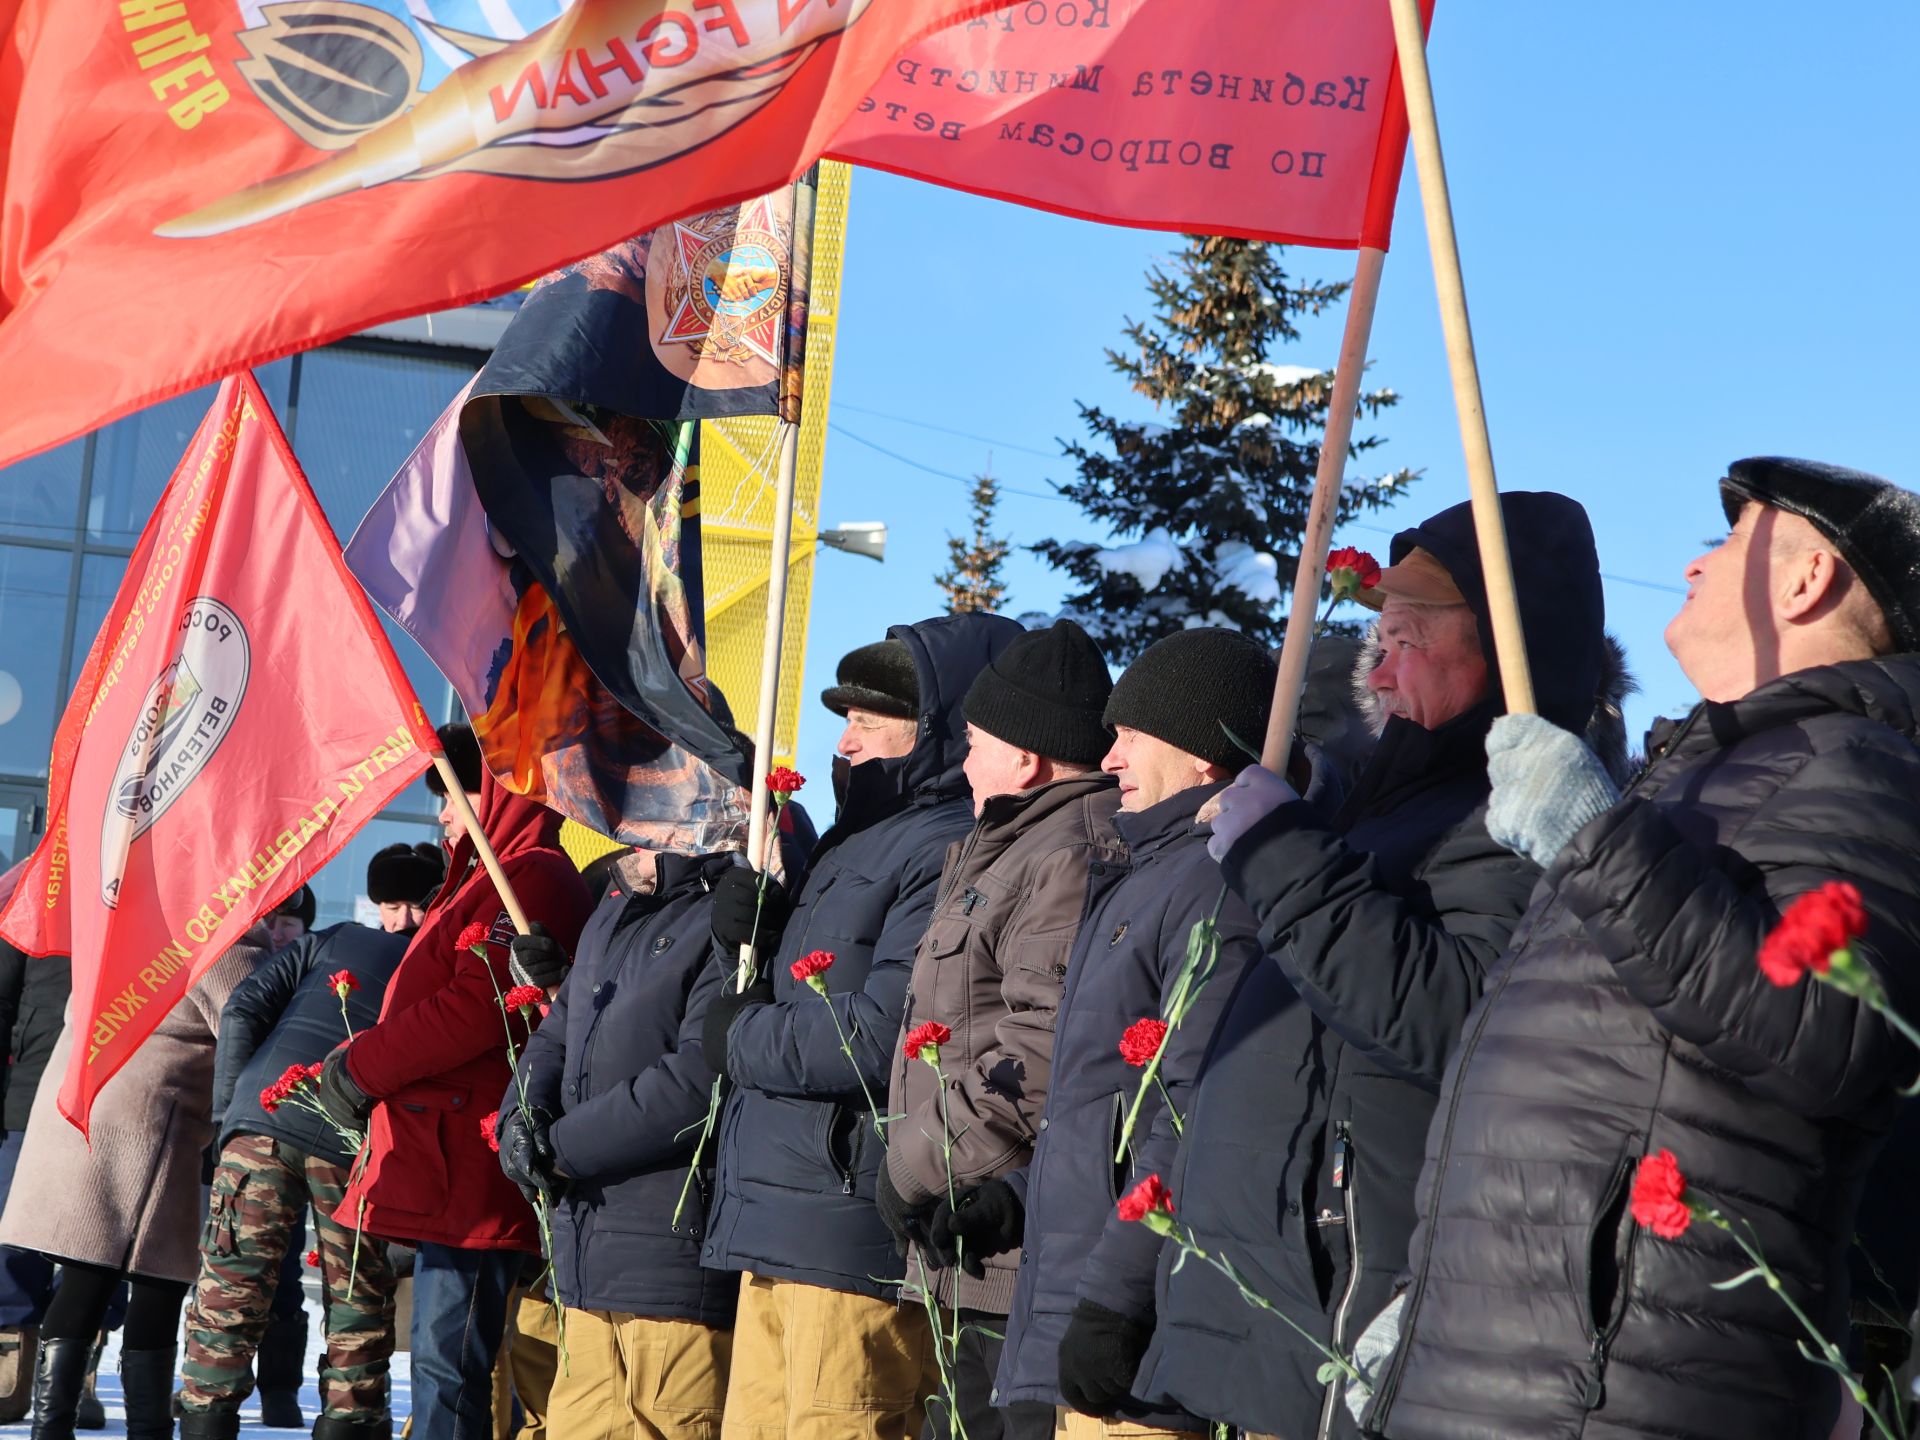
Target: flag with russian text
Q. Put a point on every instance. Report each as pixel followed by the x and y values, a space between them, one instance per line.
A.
pixel 1274 122
pixel 666 771
pixel 238 718
pixel 214 183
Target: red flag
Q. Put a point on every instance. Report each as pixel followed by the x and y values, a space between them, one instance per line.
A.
pixel 239 717
pixel 197 186
pixel 1275 122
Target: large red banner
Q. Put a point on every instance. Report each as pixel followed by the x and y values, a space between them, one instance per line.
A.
pixel 197 186
pixel 1280 121
pixel 240 716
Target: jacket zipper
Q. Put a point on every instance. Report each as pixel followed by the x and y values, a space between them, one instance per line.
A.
pixel 1604 1332
pixel 1390 1384
pixel 1343 1180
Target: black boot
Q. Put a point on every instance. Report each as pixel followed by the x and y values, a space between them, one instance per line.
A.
pixel 59 1375
pixel 146 1380
pixel 279 1366
pixel 91 1414
pixel 333 1427
pixel 209 1425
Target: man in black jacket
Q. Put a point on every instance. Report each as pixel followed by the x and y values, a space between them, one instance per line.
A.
pixel 1629 1017
pixel 1304 1140
pixel 278 1159
pixel 822 1347
pixel 617 1088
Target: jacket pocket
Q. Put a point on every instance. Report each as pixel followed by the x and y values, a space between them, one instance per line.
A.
pixel 1609 1267
pixel 425 1095
pixel 841 1145
pixel 1118 1170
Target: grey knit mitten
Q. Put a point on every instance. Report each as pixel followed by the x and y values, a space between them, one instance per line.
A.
pixel 1546 785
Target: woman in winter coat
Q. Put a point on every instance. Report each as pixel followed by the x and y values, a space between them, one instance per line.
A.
pixel 124 1201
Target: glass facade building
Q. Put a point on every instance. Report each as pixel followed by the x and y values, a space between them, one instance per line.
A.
pixel 69 520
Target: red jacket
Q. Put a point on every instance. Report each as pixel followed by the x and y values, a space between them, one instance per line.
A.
pixel 437 1061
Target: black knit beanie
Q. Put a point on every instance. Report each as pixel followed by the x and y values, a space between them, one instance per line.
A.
pixel 1044 693
pixel 1185 688
pixel 404 874
pixel 463 753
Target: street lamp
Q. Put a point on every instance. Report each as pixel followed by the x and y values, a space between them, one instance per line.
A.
pixel 859 537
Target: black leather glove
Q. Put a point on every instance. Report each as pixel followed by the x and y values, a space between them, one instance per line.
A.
pixel 526 1154
pixel 907 1221
pixel 986 1220
pixel 1099 1356
pixel 735 895
pixel 346 1104
pixel 722 1011
pixel 537 959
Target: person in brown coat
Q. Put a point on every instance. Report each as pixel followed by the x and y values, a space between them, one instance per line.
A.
pixel 989 968
pixel 124 1202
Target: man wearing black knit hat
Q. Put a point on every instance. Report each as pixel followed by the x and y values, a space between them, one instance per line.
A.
pixel 1172 712
pixel 989 968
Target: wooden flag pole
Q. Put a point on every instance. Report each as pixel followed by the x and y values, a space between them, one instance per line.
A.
pixel 1323 510
pixel 1489 527
pixel 779 562
pixel 457 793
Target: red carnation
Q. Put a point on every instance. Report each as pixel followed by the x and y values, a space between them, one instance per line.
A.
pixel 1352 571
pixel 810 967
pixel 343 983
pixel 1816 927
pixel 1142 1041
pixel 782 781
pixel 1144 1199
pixel 524 998
pixel 929 1035
pixel 1660 1196
pixel 492 1136
pixel 313 1258
pixel 313 1071
pixel 471 938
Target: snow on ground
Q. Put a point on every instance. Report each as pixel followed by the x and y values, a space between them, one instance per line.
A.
pixel 250 1427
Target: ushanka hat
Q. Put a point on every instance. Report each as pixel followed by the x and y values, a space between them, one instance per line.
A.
pixel 1044 693
pixel 879 677
pixel 1872 522
pixel 463 753
pixel 405 874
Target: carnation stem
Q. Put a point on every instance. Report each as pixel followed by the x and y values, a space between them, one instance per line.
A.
pixel 1196 968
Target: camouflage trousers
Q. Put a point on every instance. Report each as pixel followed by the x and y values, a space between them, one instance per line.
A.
pixel 259 1190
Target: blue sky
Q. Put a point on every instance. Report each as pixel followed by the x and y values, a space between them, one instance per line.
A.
pixel 1687 236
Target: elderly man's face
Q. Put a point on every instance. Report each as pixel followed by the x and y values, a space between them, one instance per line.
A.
pixel 872 736
pixel 1151 770
pixel 1431 667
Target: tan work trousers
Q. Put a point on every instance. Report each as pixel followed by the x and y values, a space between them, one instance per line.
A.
pixel 629 1377
pixel 814 1364
pixel 528 1361
pixel 1072 1425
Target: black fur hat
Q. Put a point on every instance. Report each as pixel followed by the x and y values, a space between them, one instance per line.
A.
pixel 463 753
pixel 405 874
pixel 1874 522
pixel 878 677
pixel 300 905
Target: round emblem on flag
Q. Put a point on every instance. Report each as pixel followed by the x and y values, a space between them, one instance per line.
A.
pixel 187 712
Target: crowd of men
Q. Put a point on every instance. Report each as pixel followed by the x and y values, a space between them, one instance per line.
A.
pixel 1384 1035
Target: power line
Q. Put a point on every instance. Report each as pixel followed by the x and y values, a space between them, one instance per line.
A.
pixel 837 427
pixel 946 430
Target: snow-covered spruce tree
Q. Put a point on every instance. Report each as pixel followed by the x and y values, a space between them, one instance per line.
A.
pixel 1214 499
pixel 973 579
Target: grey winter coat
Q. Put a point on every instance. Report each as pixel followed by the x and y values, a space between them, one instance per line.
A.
pixel 1630 1016
pixel 131 1198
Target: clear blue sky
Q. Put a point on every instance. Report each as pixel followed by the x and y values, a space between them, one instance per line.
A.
pixel 1687 233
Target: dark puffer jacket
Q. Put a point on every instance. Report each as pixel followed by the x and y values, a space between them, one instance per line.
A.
pixel 288 1014
pixel 798 1162
pixel 1630 1016
pixel 1131 944
pixel 1300 1160
pixel 33 1007
pixel 618 1061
